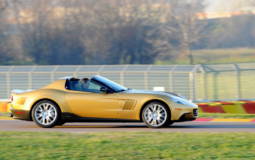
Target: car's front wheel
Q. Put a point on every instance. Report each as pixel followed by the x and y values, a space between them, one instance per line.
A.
pixel 46 114
pixel 156 115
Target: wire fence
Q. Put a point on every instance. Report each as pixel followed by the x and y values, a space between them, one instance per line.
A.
pixel 195 82
pixel 227 81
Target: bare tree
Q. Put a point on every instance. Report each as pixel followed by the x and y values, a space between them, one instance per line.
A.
pixel 5 53
pixel 105 32
pixel 122 28
pixel 48 38
pixel 183 26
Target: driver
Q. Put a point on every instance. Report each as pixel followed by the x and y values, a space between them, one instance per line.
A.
pixel 84 84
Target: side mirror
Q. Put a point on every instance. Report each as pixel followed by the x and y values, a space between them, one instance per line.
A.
pixel 104 90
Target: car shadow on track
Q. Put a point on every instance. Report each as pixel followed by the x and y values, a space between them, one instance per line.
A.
pixel 169 127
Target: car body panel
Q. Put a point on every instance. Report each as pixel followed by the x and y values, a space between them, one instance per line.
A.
pixel 120 105
pixel 85 104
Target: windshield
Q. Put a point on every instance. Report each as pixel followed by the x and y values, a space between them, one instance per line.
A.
pixel 115 86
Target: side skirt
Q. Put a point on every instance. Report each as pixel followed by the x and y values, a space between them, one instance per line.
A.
pixel 70 117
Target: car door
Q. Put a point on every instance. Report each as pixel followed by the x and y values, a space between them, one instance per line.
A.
pixel 93 103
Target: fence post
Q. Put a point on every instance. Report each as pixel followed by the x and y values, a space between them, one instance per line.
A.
pixel 122 73
pixel 8 81
pixel 238 80
pixel 53 73
pixel 75 74
pixel 8 87
pixel 122 78
pixel 146 80
pixel 192 86
pixel 215 85
pixel 206 86
pixel 171 79
pixel 30 80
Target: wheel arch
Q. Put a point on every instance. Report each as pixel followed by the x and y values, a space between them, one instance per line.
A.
pixel 154 100
pixel 42 99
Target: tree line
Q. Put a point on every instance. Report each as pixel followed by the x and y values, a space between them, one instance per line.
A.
pixel 113 31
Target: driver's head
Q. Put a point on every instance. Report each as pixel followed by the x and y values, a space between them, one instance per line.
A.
pixel 84 83
pixel 85 80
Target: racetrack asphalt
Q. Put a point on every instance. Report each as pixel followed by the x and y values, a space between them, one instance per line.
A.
pixel 195 126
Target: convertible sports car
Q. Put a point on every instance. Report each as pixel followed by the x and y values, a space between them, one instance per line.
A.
pixel 99 99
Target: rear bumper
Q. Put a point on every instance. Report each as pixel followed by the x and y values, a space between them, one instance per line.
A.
pixel 20 114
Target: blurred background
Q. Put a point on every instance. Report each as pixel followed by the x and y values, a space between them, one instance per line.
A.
pixel 201 49
pixel 126 32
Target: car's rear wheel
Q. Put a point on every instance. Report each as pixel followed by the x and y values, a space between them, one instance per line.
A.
pixel 46 114
pixel 156 115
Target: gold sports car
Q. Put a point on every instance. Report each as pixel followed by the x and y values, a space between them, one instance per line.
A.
pixel 99 99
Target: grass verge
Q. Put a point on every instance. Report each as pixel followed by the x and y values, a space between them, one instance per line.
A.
pixel 216 56
pixel 226 115
pixel 131 145
pixel 3 115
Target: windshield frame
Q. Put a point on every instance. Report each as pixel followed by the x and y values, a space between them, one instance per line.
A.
pixel 111 84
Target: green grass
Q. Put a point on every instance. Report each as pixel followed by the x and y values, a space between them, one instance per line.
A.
pixel 232 55
pixel 3 114
pixel 125 146
pixel 225 115
pixel 216 56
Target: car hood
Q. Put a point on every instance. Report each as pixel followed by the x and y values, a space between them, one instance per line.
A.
pixel 174 97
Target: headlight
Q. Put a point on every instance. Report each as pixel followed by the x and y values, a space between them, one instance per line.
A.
pixel 178 101
pixel 182 101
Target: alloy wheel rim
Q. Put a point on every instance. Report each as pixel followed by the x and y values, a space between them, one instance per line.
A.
pixel 155 115
pixel 45 113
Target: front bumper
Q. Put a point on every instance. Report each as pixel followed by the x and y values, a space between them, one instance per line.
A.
pixel 184 113
pixel 189 116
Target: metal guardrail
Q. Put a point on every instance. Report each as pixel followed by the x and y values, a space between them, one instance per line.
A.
pixel 196 82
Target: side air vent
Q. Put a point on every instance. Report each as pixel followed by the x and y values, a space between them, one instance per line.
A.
pixel 129 105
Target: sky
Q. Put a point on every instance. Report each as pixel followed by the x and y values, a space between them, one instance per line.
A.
pixel 228 5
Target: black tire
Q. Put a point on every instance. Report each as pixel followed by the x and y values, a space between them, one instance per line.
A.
pixel 167 120
pixel 36 110
pixel 61 123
